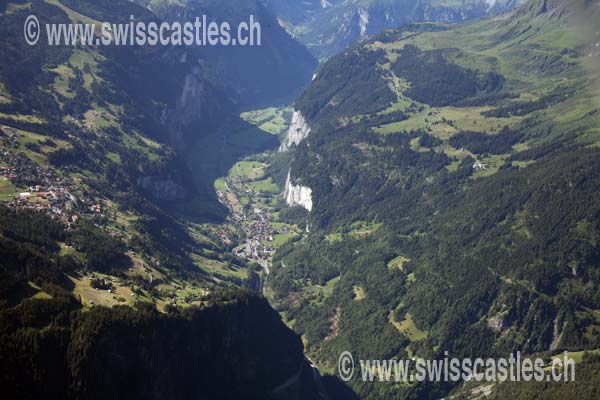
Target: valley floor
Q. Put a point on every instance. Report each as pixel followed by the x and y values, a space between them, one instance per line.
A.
pixel 254 200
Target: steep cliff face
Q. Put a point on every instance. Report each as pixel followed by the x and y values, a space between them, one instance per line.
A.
pixel 297 195
pixel 195 109
pixel 199 104
pixel 299 130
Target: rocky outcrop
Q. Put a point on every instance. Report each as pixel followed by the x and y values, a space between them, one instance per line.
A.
pixel 198 103
pixel 363 15
pixel 557 334
pixel 299 130
pixel 297 195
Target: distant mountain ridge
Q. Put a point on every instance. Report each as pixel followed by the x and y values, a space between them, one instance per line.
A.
pixel 270 74
pixel 329 26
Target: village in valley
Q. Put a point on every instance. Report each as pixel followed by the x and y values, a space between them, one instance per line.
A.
pixel 252 203
pixel 252 230
pixel 29 185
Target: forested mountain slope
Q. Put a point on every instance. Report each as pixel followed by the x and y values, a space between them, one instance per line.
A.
pixel 231 345
pixel 454 173
pixel 101 141
pixel 126 138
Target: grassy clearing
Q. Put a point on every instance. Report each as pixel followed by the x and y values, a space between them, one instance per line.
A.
pixel 42 296
pixel 361 229
pixel 12 8
pixel 275 126
pixel 523 164
pixel 25 138
pixel 408 328
pixel 23 118
pixel 359 293
pixel 219 185
pixel 187 295
pixel 334 237
pixel 248 169
pixel 282 238
pixel 136 143
pixel 318 293
pixel 455 154
pixel 82 60
pixel 5 97
pixel 471 119
pixel 256 117
pixel 264 186
pixel 398 262
pixel 271 120
pixel 85 60
pixel 398 45
pixel 357 230
pixel 147 141
pixel 578 355
pixel 520 225
pixel 70 251
pixel 93 297
pixel 99 118
pixel 445 122
pixel 290 323
pixel 39 293
pixel 493 164
pixel 428 120
pixel 331 283
pixel 61 82
pixel 218 268
pixel 281 225
pixel 415 146
pixel 7 190
pixel 75 16
pixel 114 157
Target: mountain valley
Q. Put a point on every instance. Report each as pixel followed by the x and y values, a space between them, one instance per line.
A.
pixel 225 222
